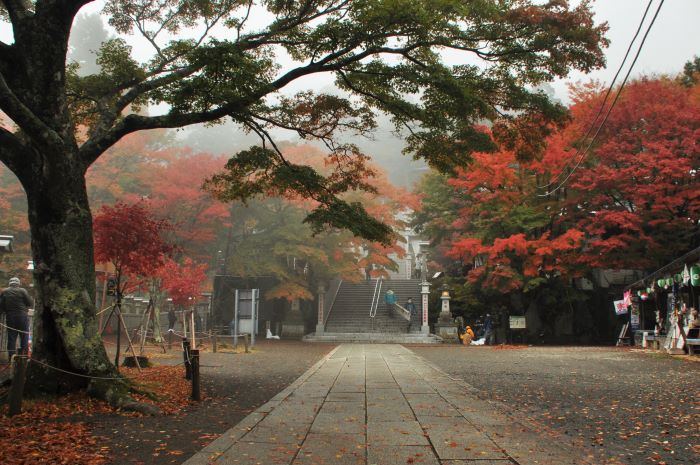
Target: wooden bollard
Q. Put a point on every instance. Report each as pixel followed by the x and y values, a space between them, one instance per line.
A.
pixel 17 388
pixel 245 342
pixel 186 357
pixel 194 359
pixel 213 344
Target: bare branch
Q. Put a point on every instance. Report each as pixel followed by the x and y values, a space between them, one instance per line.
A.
pixel 264 135
pixel 244 20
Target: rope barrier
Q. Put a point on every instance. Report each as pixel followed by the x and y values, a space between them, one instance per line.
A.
pixel 14 329
pixel 104 310
pixel 107 378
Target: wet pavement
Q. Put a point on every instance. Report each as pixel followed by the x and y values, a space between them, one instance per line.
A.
pixel 381 404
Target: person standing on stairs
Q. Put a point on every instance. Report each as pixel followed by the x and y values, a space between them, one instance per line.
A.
pixel 390 299
pixel 411 307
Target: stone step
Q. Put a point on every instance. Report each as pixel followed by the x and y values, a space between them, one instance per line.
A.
pixel 405 338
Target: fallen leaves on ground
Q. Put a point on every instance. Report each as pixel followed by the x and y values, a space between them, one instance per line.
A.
pixel 509 347
pixel 47 432
pixel 622 406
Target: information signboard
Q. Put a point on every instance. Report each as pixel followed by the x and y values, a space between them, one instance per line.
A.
pixel 517 322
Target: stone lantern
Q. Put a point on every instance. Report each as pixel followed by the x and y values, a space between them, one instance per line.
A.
pixel 446 328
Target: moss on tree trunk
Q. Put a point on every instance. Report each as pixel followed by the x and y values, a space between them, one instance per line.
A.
pixel 67 346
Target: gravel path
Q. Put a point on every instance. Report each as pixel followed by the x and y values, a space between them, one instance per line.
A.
pixel 623 406
pixel 235 384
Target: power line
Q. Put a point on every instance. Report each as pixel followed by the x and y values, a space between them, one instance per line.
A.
pixel 605 100
pixel 612 105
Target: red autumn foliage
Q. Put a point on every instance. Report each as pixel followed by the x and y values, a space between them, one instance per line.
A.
pixel 505 229
pixel 633 200
pixel 124 172
pixel 183 281
pixel 131 239
pixel 638 195
pixel 176 194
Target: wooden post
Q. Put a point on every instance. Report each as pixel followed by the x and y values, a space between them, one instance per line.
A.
pixel 17 388
pixel 102 303
pixel 193 329
pixel 119 341
pixel 245 342
pixel 194 359
pixel 186 358
pixel 128 339
pixel 213 345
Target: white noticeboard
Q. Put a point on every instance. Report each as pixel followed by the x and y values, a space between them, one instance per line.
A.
pixel 517 322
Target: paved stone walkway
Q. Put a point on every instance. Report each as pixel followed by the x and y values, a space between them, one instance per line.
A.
pixel 372 404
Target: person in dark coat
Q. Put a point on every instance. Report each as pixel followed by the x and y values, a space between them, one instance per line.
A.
pixel 15 302
pixel 411 307
pixel 489 332
pixel 172 319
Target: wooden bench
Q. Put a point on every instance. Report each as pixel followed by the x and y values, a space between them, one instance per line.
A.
pixel 693 346
pixel 654 341
pixel 692 341
pixel 215 338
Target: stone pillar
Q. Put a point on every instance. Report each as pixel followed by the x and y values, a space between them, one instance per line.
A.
pixel 425 293
pixel 293 326
pixel 320 326
pixel 446 327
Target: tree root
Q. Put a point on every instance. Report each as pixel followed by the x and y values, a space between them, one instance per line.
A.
pixel 116 393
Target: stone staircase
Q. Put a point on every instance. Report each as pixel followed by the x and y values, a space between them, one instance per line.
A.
pixel 349 318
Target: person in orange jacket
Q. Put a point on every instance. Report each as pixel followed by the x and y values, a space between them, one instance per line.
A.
pixel 467 336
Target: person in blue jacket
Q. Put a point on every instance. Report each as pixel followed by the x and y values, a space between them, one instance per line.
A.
pixel 390 297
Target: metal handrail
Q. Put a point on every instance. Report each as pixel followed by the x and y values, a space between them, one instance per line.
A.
pixel 335 296
pixel 375 298
pixel 404 313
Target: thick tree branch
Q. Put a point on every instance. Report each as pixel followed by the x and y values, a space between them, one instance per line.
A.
pixel 25 118
pixel 111 114
pixel 65 10
pixel 12 151
pixel 93 148
pixel 6 52
pixel 17 11
pixel 132 123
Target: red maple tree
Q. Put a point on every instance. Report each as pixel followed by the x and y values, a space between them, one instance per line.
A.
pixel 182 281
pixel 637 193
pixel 131 239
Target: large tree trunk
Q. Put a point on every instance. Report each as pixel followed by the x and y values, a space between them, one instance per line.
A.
pixel 68 351
pixel 65 326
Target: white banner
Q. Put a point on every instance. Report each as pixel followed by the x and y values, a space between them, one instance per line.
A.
pixel 620 307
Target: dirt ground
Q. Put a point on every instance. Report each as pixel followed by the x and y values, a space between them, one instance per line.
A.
pixel 622 406
pixel 235 384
